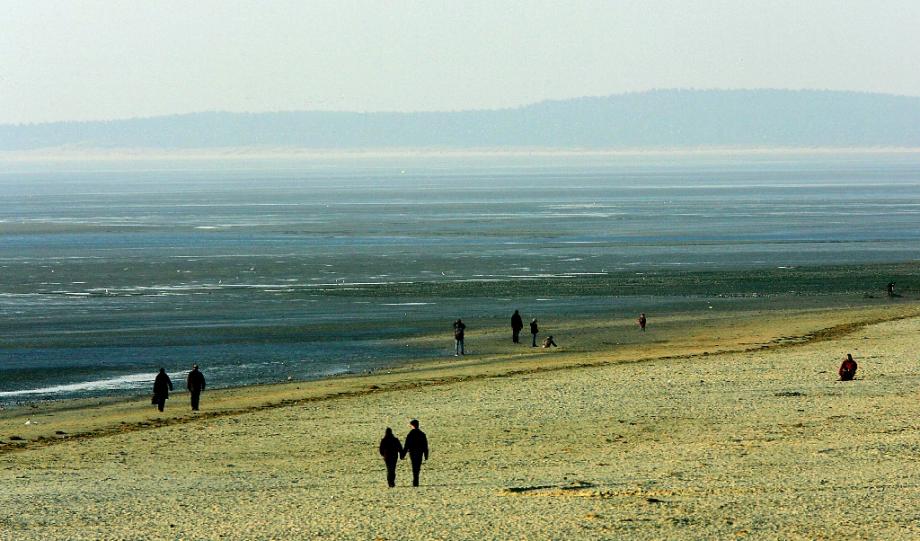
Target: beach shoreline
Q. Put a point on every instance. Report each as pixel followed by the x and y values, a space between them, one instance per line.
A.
pixel 52 421
pixel 727 430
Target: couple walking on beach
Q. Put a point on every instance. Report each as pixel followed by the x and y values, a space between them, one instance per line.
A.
pixel 416 446
pixel 162 385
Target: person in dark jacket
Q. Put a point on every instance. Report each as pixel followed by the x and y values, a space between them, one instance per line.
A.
pixel 847 369
pixel 161 387
pixel 416 447
pixel 548 342
pixel 642 321
pixel 459 327
pixel 516 325
pixel 534 330
pixel 390 450
pixel 195 384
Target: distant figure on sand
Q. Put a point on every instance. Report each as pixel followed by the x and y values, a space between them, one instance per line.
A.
pixel 195 384
pixel 459 327
pixel 534 330
pixel 161 387
pixel 890 289
pixel 516 325
pixel 390 450
pixel 548 342
pixel 416 447
pixel 642 321
pixel 848 368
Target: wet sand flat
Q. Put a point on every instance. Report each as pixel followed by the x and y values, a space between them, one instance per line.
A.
pixel 759 441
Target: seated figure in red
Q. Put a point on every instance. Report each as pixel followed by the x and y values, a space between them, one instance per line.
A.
pixel 847 368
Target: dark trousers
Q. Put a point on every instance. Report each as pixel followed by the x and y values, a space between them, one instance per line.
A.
pixel 391 470
pixel 196 397
pixel 516 338
pixel 846 375
pixel 161 402
pixel 416 468
pixel 534 344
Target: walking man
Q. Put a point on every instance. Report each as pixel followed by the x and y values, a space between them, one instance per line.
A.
pixel 534 330
pixel 416 447
pixel 195 384
pixel 642 321
pixel 161 387
pixel 516 325
pixel 459 326
pixel 390 450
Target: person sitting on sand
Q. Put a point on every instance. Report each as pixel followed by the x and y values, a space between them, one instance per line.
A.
pixel 548 342
pixel 195 384
pixel 516 325
pixel 534 330
pixel 642 321
pixel 161 387
pixel 390 450
pixel 459 327
pixel 848 369
pixel 416 447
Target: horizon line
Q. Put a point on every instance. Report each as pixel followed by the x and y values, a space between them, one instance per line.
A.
pixel 90 154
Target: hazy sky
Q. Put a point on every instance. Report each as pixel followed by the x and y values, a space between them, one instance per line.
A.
pixel 66 60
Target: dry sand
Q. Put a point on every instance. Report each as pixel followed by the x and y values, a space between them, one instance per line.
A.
pixel 757 442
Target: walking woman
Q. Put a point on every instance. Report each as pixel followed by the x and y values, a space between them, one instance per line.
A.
pixel 161 387
pixel 390 450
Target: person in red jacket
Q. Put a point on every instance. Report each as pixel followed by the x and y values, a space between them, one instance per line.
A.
pixel 847 368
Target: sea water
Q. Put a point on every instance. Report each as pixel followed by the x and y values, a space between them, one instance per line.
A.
pixel 268 270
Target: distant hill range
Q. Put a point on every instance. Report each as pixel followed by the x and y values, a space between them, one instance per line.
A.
pixel 655 119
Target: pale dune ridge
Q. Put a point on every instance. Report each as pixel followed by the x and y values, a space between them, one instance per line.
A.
pixel 759 443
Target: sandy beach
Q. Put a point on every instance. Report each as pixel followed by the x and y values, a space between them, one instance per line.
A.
pixel 733 427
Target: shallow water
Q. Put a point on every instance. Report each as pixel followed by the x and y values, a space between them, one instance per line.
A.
pixel 261 271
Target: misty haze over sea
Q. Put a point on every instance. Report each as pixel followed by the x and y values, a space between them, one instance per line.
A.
pixel 655 119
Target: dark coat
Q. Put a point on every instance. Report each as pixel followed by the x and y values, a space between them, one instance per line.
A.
pixel 459 327
pixel 533 328
pixel 416 444
pixel 195 381
pixel 516 322
pixel 390 448
pixel 162 385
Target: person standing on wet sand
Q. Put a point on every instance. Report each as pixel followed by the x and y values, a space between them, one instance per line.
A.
pixel 847 368
pixel 390 450
pixel 416 447
pixel 161 387
pixel 459 327
pixel 516 325
pixel 195 384
pixel 534 330
pixel 642 321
